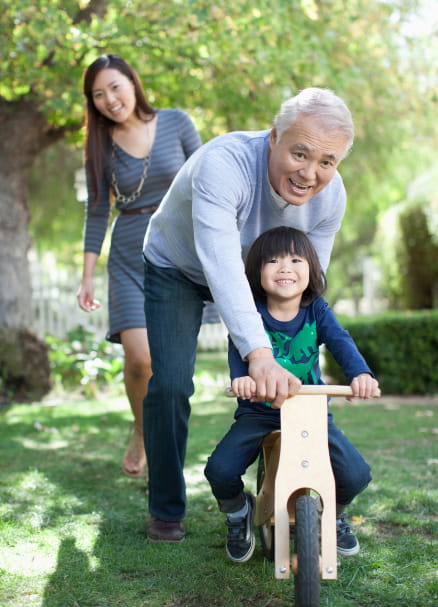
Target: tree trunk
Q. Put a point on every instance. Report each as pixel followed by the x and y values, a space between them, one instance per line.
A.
pixel 24 133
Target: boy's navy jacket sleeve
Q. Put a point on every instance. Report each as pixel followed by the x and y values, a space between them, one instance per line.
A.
pixel 340 343
pixel 238 367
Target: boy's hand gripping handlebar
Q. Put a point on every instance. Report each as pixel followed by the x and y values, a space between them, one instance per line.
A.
pixel 328 390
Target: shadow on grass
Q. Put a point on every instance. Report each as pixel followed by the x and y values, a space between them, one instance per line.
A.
pixel 67 496
pixel 66 505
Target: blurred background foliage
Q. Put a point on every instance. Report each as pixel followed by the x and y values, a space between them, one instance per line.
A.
pixel 230 65
pixel 401 347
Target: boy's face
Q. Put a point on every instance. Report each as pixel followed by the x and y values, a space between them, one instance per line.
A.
pixel 285 278
pixel 305 159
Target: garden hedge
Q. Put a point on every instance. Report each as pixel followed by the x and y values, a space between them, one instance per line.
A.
pixel 401 349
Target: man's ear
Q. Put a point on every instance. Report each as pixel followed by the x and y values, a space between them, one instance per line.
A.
pixel 273 137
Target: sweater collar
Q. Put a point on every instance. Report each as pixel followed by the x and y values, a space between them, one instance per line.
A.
pixel 276 198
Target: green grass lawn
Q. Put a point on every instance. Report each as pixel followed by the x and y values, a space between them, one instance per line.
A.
pixel 72 529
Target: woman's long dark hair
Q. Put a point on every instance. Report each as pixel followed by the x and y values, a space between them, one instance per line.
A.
pixel 98 127
pixel 279 242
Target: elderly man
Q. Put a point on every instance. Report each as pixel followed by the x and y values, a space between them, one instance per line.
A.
pixel 230 191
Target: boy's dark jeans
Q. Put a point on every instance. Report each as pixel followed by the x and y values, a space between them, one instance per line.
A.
pixel 241 445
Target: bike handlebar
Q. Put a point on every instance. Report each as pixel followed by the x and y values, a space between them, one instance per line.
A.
pixel 327 390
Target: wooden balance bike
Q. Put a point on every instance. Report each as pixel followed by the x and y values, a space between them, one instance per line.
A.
pixel 296 494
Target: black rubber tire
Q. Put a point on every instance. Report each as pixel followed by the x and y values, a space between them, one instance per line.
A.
pixel 267 531
pixel 307 579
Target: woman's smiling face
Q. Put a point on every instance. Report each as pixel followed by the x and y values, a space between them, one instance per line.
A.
pixel 305 159
pixel 114 95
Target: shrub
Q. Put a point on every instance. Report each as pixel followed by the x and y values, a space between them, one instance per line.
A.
pixel 401 349
pixel 83 362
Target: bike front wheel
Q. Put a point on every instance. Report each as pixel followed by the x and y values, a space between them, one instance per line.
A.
pixel 307 577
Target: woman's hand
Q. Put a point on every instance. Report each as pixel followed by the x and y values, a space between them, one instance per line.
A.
pixel 85 296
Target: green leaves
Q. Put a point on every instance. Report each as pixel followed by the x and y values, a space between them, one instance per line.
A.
pixel 230 65
pixel 234 62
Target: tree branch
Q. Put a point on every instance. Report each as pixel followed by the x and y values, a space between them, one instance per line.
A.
pixel 95 7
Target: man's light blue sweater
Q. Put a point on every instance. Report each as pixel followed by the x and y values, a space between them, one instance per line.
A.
pixel 218 204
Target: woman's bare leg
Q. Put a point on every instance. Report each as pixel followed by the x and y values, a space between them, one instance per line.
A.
pixel 137 372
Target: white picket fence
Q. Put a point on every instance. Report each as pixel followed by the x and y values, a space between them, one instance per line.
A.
pixel 55 309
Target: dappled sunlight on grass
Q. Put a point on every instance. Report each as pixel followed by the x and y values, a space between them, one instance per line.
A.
pixel 34 500
pixel 212 376
pixel 72 527
pixel 196 481
pixel 29 443
pixel 28 558
pixel 215 405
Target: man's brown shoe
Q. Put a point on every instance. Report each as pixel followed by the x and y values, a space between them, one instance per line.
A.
pixel 165 531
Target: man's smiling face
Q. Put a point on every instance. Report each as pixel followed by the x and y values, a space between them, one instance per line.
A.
pixel 305 159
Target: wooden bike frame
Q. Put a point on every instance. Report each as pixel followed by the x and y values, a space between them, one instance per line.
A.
pixel 300 463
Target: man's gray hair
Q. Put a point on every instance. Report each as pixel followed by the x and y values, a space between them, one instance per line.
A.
pixel 320 103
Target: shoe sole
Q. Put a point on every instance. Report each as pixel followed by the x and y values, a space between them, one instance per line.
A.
pixel 165 541
pixel 155 537
pixel 348 551
pixel 246 557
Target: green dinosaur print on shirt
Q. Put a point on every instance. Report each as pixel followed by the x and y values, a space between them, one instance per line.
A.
pixel 298 354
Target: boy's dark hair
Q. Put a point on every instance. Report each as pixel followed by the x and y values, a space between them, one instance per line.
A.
pixel 279 242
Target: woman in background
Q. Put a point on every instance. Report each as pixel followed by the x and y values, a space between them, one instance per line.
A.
pixel 132 153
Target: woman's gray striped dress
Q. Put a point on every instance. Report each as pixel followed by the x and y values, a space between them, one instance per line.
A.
pixel 175 140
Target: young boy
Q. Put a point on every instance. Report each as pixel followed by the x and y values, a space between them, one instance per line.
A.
pixel 287 282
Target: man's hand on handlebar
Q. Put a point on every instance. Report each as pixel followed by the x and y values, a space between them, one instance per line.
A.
pixel 271 382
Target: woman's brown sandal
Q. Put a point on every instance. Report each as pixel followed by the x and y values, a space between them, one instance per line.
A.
pixel 134 460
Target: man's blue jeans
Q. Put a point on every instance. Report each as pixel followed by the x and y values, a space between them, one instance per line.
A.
pixel 173 308
pixel 241 445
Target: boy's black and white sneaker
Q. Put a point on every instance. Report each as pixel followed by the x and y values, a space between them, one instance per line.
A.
pixel 240 535
pixel 346 542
